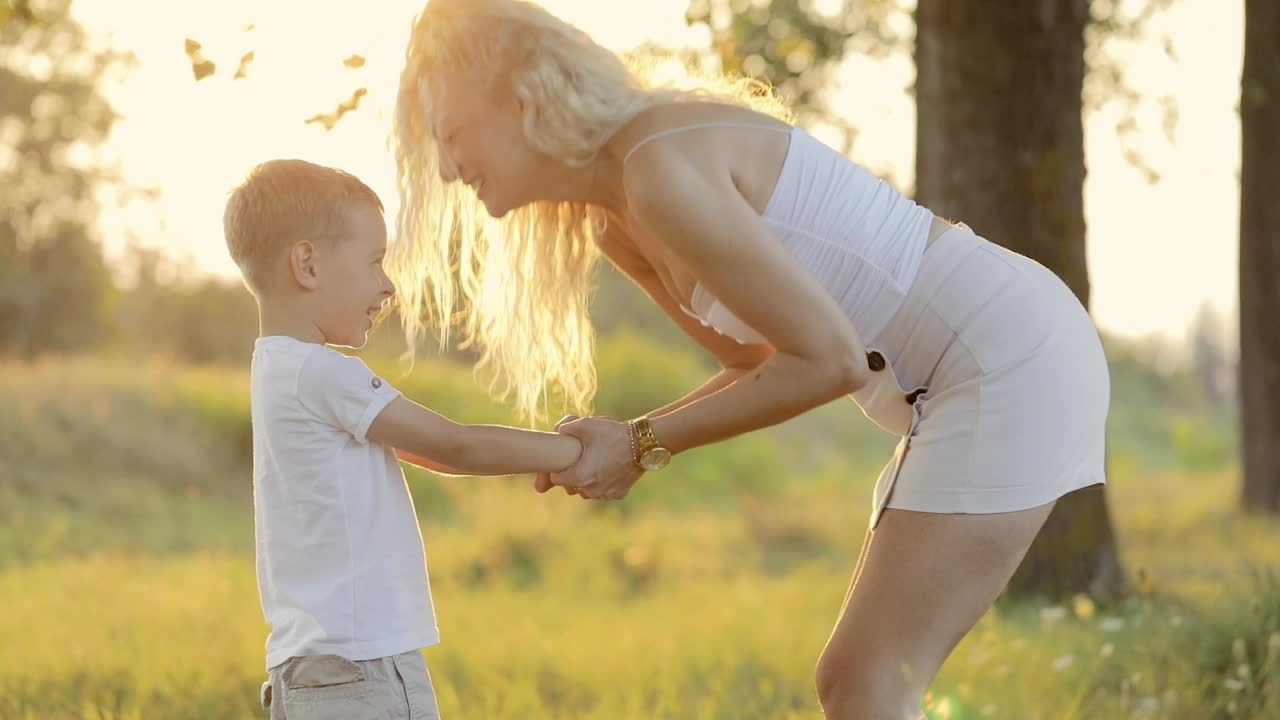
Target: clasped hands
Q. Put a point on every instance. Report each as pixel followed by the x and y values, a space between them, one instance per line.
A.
pixel 605 470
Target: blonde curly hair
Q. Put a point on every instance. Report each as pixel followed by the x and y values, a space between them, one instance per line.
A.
pixel 519 287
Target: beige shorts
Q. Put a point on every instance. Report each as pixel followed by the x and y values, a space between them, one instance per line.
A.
pixel 330 687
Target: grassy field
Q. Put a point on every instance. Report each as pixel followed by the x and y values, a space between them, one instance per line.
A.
pixel 127 586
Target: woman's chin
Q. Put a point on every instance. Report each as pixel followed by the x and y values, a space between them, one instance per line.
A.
pixel 498 207
pixel 496 211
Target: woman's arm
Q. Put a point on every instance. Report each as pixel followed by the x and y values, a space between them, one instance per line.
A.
pixel 469 449
pixel 718 382
pixel 817 355
pixel 735 358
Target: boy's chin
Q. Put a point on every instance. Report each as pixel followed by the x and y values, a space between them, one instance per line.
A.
pixel 355 340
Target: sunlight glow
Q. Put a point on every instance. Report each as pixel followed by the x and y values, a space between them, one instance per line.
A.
pixel 194 140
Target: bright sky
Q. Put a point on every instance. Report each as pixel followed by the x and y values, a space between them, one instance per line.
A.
pixel 1156 251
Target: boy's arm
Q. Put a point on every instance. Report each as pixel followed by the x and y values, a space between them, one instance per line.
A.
pixel 459 449
pixel 428 463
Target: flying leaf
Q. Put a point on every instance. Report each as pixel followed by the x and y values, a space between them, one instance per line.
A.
pixel 203 69
pixel 200 67
pixel 244 65
pixel 355 61
pixel 330 119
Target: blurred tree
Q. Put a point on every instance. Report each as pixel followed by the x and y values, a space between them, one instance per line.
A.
pixel 54 285
pixel 1211 360
pixel 1112 25
pixel 1000 144
pixel 794 45
pixel 170 309
pixel 1260 256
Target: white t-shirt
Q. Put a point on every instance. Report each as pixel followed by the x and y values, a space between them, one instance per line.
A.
pixel 341 566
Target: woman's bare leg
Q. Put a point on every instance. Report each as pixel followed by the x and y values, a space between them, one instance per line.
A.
pixel 924 581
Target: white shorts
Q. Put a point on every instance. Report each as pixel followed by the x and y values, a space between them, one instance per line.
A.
pixel 995 377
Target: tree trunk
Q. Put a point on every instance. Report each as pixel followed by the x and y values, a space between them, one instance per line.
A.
pixel 1260 256
pixel 1000 145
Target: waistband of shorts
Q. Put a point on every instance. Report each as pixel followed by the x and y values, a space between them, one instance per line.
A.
pixel 941 258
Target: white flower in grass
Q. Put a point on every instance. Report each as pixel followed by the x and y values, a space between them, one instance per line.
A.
pixel 1239 650
pixel 1052 614
pixel 989 710
pixel 1063 662
pixel 1112 624
pixel 1233 684
pixel 1107 649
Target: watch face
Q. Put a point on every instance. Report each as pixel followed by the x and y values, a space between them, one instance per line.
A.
pixel 655 459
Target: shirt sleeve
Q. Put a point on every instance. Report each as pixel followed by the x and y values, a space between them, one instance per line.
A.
pixel 342 391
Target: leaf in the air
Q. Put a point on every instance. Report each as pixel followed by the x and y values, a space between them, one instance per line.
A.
pixel 355 61
pixel 244 65
pixel 200 66
pixel 202 69
pixel 330 119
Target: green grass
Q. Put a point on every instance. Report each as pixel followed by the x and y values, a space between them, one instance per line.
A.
pixel 127 586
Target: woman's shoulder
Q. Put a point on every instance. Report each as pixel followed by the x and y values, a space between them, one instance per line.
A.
pixel 675 117
pixel 677 148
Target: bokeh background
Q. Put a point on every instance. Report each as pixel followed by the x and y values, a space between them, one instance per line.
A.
pixel 1129 145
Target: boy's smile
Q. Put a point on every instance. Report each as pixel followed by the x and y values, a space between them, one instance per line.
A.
pixel 353 285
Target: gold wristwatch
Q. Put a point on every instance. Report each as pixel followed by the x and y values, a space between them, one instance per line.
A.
pixel 647 452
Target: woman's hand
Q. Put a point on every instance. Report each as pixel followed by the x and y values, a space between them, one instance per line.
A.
pixel 542 481
pixel 606 469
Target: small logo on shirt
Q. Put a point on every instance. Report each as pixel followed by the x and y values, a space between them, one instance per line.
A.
pixel 376 382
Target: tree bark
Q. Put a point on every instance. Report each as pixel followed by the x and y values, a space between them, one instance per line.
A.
pixel 1260 256
pixel 1000 146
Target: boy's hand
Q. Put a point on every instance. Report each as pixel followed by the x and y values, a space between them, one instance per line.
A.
pixel 542 481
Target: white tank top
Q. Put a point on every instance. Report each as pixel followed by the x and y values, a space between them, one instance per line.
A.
pixel 861 239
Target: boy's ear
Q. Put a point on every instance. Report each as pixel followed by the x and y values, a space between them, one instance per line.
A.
pixel 303 266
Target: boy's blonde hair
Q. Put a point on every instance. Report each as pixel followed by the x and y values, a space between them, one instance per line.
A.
pixel 523 280
pixel 282 202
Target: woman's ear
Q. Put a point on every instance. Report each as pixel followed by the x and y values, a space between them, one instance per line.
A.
pixel 303 266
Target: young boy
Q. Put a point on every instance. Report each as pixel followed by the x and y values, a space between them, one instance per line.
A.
pixel 340 562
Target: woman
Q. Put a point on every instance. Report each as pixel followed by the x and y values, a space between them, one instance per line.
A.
pixel 524 149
